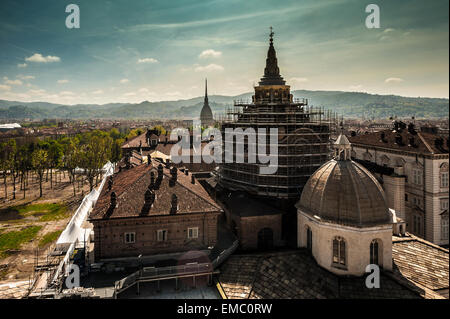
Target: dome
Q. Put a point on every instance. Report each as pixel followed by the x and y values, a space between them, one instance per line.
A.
pixel 344 192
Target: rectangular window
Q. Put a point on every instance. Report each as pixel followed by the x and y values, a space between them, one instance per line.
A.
pixel 162 235
pixel 444 204
pixel 444 228
pixel 417 176
pixel 192 232
pixel 130 238
pixel 444 179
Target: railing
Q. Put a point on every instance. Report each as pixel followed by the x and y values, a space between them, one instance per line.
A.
pixel 225 254
pixel 161 273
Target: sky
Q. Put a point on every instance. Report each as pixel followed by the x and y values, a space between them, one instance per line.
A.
pixel 131 51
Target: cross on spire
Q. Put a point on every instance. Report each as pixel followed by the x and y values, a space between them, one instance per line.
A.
pixel 271 34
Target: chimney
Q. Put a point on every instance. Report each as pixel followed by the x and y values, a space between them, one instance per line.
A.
pixel 192 179
pixel 160 172
pixel 186 171
pixel 149 200
pixel 152 180
pixel 113 200
pixel 110 183
pixel 174 204
pixel 411 128
pixel 174 175
pixel 398 140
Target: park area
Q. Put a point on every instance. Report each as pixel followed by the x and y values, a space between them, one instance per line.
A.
pixel 29 226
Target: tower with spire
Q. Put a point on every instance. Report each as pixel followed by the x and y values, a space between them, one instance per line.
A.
pixel 303 146
pixel 206 116
pixel 303 136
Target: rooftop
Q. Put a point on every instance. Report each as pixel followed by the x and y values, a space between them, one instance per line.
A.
pixel 130 186
pixel 423 143
pixel 420 271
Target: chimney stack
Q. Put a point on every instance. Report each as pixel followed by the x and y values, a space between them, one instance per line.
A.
pixel 398 140
pixel 113 200
pixel 174 175
pixel 174 204
pixel 192 179
pixel 110 183
pixel 152 180
pixel 186 171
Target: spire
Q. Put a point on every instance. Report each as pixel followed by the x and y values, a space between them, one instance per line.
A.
pixel 206 116
pixel 206 90
pixel 271 72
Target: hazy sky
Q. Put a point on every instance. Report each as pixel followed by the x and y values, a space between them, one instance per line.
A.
pixel 130 51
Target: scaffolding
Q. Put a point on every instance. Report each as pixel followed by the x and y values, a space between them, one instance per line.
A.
pixel 303 142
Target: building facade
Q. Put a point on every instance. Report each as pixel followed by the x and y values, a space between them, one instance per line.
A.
pixel 412 166
pixel 151 209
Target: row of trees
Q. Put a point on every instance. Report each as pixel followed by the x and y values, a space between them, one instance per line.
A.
pixel 87 151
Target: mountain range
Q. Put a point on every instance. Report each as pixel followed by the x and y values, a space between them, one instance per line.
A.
pixel 349 104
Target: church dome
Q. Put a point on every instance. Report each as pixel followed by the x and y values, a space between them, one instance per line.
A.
pixel 344 192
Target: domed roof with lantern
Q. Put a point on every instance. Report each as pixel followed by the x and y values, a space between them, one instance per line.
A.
pixel 344 192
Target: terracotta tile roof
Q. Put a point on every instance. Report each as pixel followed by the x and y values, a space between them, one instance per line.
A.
pixel 130 186
pixel 424 142
pixel 420 261
pixel 295 274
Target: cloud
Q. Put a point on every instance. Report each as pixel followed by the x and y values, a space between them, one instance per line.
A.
pixel 129 94
pixel 66 93
pixel 14 82
pixel 210 54
pixel 298 80
pixel 388 80
pixel 22 65
pixel 209 68
pixel 37 57
pixel 98 92
pixel 37 92
pixel 5 87
pixel 123 81
pixel 355 87
pixel 26 77
pixel 63 81
pixel 147 60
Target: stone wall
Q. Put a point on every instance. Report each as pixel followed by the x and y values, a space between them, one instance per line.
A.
pixel 357 242
pixel 109 235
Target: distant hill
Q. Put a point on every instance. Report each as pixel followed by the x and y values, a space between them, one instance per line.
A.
pixel 350 104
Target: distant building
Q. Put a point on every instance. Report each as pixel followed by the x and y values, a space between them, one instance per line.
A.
pixel 11 126
pixel 151 209
pixel 413 168
pixel 206 115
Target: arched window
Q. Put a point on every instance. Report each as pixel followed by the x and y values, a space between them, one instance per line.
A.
pixel 308 238
pixel 339 251
pixel 374 252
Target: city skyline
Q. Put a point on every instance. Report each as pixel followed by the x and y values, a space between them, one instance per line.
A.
pixel 163 51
